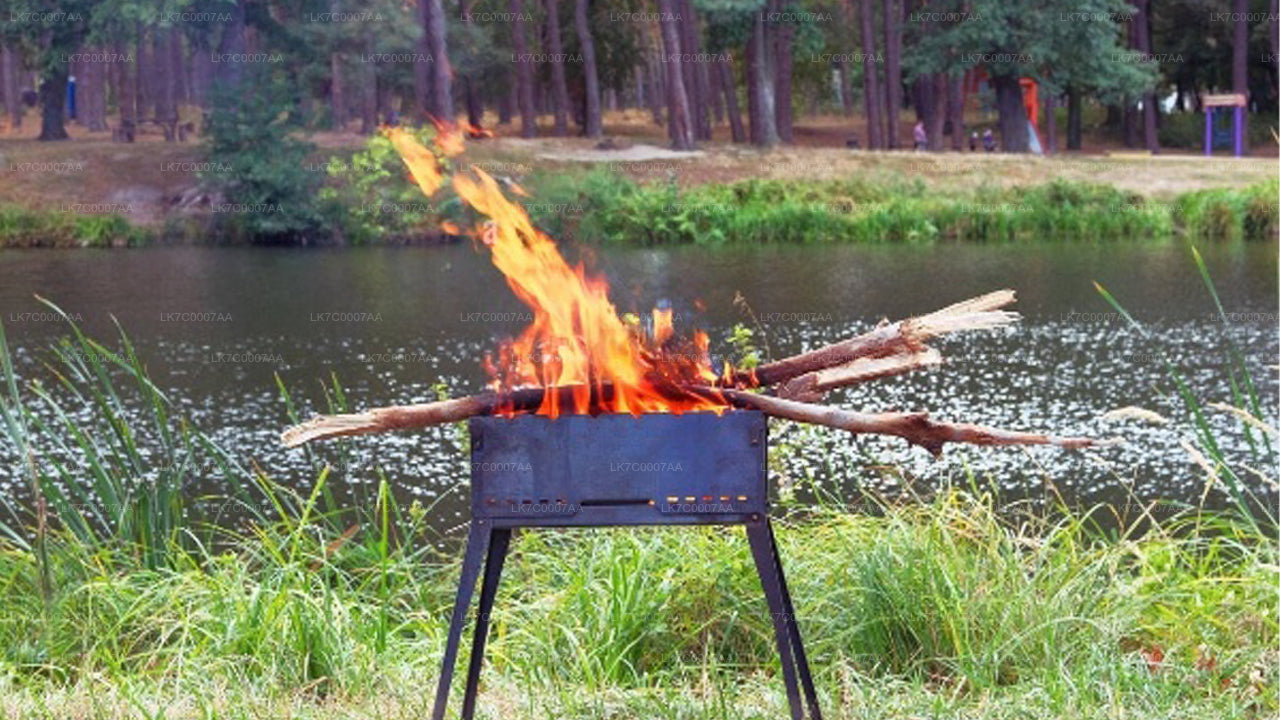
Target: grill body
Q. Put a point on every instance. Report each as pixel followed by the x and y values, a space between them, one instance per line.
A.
pixel 616 470
pixel 578 470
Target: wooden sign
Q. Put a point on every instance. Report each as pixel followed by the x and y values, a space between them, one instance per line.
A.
pixel 1226 100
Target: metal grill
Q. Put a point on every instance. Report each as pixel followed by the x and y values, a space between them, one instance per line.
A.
pixel 617 470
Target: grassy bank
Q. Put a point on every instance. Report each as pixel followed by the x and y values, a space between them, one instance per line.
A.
pixel 608 208
pixel 352 190
pixel 940 609
pixel 123 595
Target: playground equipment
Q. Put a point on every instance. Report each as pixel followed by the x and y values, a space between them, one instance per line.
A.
pixel 974 82
pixel 1231 100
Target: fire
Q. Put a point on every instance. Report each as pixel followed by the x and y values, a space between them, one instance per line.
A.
pixel 577 344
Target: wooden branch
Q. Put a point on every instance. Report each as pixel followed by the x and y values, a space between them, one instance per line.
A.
pixel 404 417
pixel 906 336
pixel 811 387
pixel 915 427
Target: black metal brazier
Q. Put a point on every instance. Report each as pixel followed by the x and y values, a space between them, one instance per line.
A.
pixel 613 470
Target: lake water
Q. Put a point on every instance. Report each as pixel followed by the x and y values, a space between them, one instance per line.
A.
pixel 215 326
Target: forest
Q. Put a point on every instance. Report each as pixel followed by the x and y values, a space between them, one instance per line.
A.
pixel 743 68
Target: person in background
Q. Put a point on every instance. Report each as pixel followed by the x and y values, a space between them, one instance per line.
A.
pixel 989 141
pixel 921 137
pixel 973 141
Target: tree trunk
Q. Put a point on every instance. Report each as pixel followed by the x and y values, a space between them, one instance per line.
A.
pixel 695 70
pixel 1051 123
pixel 166 101
pixel 731 102
pixel 640 79
pixel 337 98
pixel 422 69
pixel 1142 26
pixel 12 96
pixel 892 69
pixel 126 85
pixel 1240 63
pixel 441 71
pixel 475 108
pixel 1075 119
pixel 231 74
pixel 1013 116
pixel 782 52
pixel 938 92
pixel 715 96
pixel 955 111
pixel 657 87
pixel 142 72
pixel 368 97
pixel 178 59
pixel 870 78
pixel 91 88
pixel 559 87
pixel 590 73
pixel 201 71
pixel 507 100
pixel 679 125
pixel 53 96
pixel 524 71
pixel 764 118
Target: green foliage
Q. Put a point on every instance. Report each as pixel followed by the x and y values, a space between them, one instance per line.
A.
pixel 268 194
pixel 1222 214
pixel 372 199
pixel 21 227
pixel 613 209
pixel 115 477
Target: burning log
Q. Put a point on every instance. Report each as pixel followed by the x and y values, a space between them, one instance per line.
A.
pixel 580 357
pixel 916 428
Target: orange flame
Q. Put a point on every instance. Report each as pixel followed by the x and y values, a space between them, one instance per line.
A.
pixel 422 163
pixel 577 341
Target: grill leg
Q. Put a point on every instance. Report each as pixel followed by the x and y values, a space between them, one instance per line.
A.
pixel 477 544
pixel 499 540
pixel 797 645
pixel 767 567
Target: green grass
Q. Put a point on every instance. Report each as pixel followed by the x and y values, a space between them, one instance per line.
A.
pixel 23 227
pixel 617 210
pixel 122 596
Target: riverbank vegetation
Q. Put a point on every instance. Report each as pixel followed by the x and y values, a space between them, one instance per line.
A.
pixel 365 201
pixel 125 593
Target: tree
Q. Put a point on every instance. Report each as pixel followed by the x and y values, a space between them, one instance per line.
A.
pixel 892 68
pixel 782 51
pixel 524 71
pixel 594 127
pixel 1036 39
pixel 1142 34
pixel 441 71
pixel 9 75
pixel 56 29
pixel 559 87
pixel 871 96
pixel 1240 59
pixel 679 123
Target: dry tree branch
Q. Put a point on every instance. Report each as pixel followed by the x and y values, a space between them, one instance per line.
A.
pixel 916 428
pixel 906 336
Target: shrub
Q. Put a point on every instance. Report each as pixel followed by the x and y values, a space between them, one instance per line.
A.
pixel 369 198
pixel 259 167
